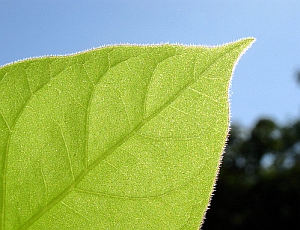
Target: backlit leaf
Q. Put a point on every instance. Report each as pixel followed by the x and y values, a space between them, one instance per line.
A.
pixel 120 137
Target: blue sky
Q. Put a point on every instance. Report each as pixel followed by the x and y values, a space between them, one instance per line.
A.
pixel 264 80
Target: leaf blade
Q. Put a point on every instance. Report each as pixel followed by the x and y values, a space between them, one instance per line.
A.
pixel 124 120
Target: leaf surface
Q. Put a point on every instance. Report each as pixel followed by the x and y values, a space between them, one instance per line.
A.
pixel 120 137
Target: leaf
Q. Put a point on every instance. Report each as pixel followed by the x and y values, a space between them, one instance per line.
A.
pixel 120 137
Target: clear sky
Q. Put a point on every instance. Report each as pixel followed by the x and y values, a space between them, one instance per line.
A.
pixel 264 80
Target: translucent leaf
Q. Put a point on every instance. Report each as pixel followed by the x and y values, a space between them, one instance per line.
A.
pixel 120 137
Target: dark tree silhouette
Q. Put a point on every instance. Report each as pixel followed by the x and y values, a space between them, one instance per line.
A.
pixel 298 76
pixel 259 181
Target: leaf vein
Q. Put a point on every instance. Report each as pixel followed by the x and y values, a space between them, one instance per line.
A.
pixel 5 121
pixel 18 115
pixel 150 82
pixel 74 210
pixel 66 147
pixel 203 94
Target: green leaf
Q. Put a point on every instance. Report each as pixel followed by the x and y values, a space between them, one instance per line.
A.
pixel 120 137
